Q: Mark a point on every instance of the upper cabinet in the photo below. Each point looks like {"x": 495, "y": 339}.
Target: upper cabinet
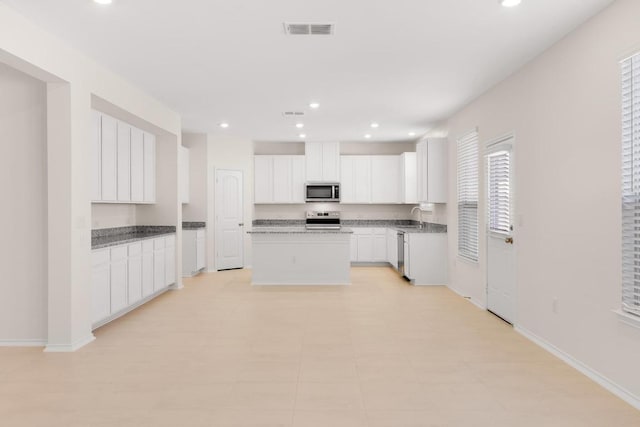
{"x": 432, "y": 170}
{"x": 322, "y": 161}
{"x": 370, "y": 179}
{"x": 279, "y": 179}
{"x": 409, "y": 178}
{"x": 184, "y": 158}
{"x": 123, "y": 162}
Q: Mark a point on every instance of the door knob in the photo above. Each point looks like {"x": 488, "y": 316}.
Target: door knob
{"x": 509, "y": 240}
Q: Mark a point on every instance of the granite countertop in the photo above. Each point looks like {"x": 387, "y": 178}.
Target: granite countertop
{"x": 107, "y": 237}
{"x": 295, "y": 230}
{"x": 193, "y": 225}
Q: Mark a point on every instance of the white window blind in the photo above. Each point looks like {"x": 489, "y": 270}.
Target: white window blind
{"x": 631, "y": 185}
{"x": 468, "y": 196}
{"x": 499, "y": 191}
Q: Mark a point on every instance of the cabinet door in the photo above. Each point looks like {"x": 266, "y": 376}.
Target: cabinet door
{"x": 149, "y": 167}
{"x": 313, "y": 161}
{"x": 147, "y": 273}
{"x": 96, "y": 156}
{"x": 354, "y": 248}
{"x": 124, "y": 162}
{"x": 100, "y": 293}
{"x": 379, "y": 245}
{"x": 422, "y": 165}
{"x": 118, "y": 285}
{"x": 362, "y": 179}
{"x": 263, "y": 179}
{"x": 282, "y": 179}
{"x": 347, "y": 187}
{"x": 331, "y": 161}
{"x": 409, "y": 177}
{"x": 184, "y": 158}
{"x": 170, "y": 260}
{"x": 298, "y": 178}
{"x": 137, "y": 165}
{"x": 109, "y": 172}
{"x": 385, "y": 179}
{"x": 365, "y": 248}
{"x": 437, "y": 170}
{"x": 200, "y": 250}
{"x": 158, "y": 269}
{"x": 135, "y": 279}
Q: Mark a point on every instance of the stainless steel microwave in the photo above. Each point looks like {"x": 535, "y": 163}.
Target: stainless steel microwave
{"x": 322, "y": 192}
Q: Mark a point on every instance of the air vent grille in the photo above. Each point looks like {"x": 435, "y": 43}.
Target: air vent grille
{"x": 293, "y": 113}
{"x": 307, "y": 29}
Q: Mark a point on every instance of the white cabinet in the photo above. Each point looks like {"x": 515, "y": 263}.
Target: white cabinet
{"x": 322, "y": 161}
{"x": 385, "y": 179}
{"x": 183, "y": 164}
{"x": 432, "y": 170}
{"x": 100, "y": 285}
{"x": 147, "y": 268}
{"x": 409, "y": 178}
{"x": 193, "y": 251}
{"x": 279, "y": 179}
{"x": 158, "y": 264}
{"x": 123, "y": 162}
{"x": 169, "y": 260}
{"x": 119, "y": 298}
{"x": 369, "y": 244}
{"x": 149, "y": 167}
{"x": 137, "y": 165}
{"x": 109, "y": 159}
{"x": 392, "y": 247}
{"x": 426, "y": 258}
{"x": 134, "y": 272}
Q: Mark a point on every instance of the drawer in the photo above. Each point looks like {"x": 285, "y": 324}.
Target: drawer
{"x": 119, "y": 253}
{"x": 362, "y": 230}
{"x": 378, "y": 231}
{"x": 200, "y": 234}
{"x": 158, "y": 243}
{"x": 170, "y": 241}
{"x": 100, "y": 256}
{"x": 135, "y": 249}
{"x": 147, "y": 246}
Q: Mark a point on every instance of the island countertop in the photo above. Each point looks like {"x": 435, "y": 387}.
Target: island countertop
{"x": 296, "y": 230}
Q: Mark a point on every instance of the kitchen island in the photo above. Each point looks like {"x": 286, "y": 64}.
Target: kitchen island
{"x": 297, "y": 256}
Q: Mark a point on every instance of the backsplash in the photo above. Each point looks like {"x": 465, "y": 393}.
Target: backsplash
{"x": 105, "y": 215}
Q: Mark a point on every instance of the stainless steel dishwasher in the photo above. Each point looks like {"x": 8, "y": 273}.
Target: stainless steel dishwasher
{"x": 400, "y": 236}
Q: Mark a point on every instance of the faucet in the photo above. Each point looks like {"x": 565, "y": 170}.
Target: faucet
{"x": 413, "y": 209}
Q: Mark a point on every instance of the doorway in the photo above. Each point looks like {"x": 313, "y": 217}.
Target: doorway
{"x": 501, "y": 253}
{"x": 229, "y": 220}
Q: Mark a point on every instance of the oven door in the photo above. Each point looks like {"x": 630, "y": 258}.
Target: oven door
{"x": 321, "y": 193}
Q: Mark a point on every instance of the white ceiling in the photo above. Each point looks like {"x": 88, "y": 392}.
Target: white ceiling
{"x": 403, "y": 63}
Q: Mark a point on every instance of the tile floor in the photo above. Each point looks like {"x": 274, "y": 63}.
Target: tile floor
{"x": 379, "y": 353}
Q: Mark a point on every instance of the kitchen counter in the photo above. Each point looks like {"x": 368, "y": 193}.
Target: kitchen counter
{"x": 193, "y": 225}
{"x": 296, "y": 230}
{"x": 107, "y": 237}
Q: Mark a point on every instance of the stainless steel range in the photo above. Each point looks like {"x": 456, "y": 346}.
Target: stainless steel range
{"x": 320, "y": 220}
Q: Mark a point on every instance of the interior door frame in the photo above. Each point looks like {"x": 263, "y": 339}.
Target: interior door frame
{"x": 215, "y": 213}
{"x": 491, "y": 146}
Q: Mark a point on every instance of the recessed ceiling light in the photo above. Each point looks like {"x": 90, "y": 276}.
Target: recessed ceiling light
{"x": 302, "y": 135}
{"x": 368, "y": 136}
{"x": 374, "y": 125}
{"x": 510, "y": 3}
{"x": 412, "y": 134}
{"x": 314, "y": 105}
{"x": 224, "y": 125}
{"x": 102, "y": 1}
{"x": 299, "y": 125}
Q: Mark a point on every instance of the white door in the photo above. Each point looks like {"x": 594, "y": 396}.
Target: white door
{"x": 501, "y": 257}
{"x": 229, "y": 224}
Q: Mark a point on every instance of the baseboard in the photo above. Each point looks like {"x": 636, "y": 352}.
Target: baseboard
{"x": 605, "y": 382}
{"x": 68, "y": 348}
{"x": 23, "y": 343}
{"x": 468, "y": 298}
{"x": 130, "y": 308}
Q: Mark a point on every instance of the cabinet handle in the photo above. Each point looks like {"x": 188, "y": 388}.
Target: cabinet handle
{"x": 241, "y": 224}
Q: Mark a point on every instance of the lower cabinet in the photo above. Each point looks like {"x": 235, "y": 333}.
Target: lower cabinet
{"x": 193, "y": 252}
{"x": 124, "y": 275}
{"x": 426, "y": 258}
{"x": 369, "y": 244}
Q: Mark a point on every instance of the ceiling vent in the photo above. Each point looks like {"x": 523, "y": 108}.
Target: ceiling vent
{"x": 293, "y": 113}
{"x": 301, "y": 29}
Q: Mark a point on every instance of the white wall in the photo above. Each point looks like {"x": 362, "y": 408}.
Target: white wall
{"x": 23, "y": 174}
{"x": 196, "y": 209}
{"x": 347, "y": 211}
{"x": 72, "y": 79}
{"x": 235, "y": 154}
{"x": 564, "y": 109}
{"x": 108, "y": 215}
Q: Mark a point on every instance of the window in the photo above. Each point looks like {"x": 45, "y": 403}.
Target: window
{"x": 631, "y": 185}
{"x": 468, "y": 196}
{"x": 499, "y": 191}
